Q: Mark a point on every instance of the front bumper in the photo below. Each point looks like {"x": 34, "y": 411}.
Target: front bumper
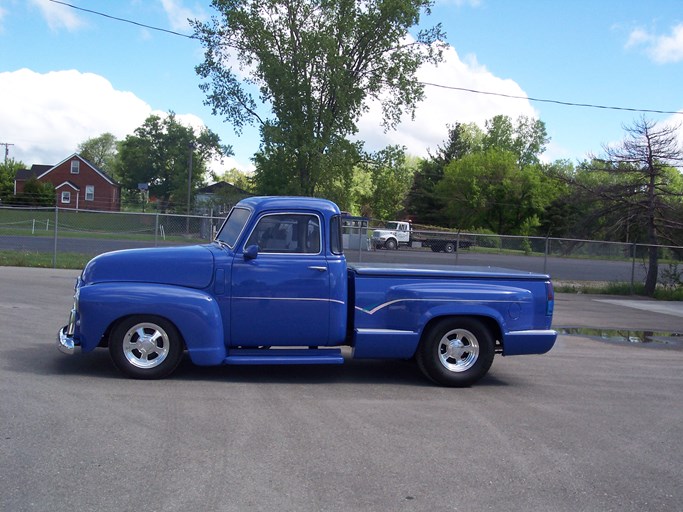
{"x": 66, "y": 342}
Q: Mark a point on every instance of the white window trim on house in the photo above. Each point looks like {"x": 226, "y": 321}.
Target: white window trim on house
{"x": 75, "y": 166}
{"x": 66, "y": 197}
{"x": 90, "y": 192}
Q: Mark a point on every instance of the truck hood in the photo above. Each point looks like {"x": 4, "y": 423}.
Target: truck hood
{"x": 190, "y": 266}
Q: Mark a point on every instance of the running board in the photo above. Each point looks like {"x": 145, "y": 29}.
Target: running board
{"x": 244, "y": 356}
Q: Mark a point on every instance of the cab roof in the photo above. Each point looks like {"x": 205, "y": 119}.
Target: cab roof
{"x": 284, "y": 203}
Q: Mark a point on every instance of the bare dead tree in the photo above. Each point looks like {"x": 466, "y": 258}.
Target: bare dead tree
{"x": 647, "y": 185}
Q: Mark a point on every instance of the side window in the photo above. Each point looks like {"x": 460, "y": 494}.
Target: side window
{"x": 75, "y": 166}
{"x": 287, "y": 233}
{"x": 336, "y": 246}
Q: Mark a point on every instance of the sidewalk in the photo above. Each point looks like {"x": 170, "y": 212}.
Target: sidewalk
{"x": 617, "y": 312}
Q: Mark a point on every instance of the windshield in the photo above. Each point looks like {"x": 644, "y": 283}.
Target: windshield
{"x": 392, "y": 225}
{"x": 233, "y": 226}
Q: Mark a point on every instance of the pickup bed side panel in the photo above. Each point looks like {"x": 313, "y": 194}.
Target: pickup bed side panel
{"x": 391, "y": 312}
{"x": 195, "y": 313}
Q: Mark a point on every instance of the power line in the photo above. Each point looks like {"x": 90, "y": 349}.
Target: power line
{"x": 557, "y": 102}
{"x": 123, "y": 20}
{"x": 450, "y": 87}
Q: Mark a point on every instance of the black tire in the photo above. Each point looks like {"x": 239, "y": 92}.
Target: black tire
{"x": 391, "y": 244}
{"x": 456, "y": 352}
{"x": 146, "y": 347}
{"x": 449, "y": 247}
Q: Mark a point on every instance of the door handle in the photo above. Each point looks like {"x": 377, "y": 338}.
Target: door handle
{"x": 319, "y": 269}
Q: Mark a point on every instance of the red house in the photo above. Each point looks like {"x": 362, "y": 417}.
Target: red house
{"x": 78, "y": 183}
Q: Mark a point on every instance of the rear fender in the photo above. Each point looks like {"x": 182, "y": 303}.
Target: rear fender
{"x": 195, "y": 313}
{"x": 489, "y": 314}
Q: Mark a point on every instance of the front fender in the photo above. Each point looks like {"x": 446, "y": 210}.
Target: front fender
{"x": 195, "y": 313}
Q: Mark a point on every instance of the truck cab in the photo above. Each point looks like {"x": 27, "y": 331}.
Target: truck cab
{"x": 394, "y": 235}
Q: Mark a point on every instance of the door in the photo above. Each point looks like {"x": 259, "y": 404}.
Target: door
{"x": 282, "y": 295}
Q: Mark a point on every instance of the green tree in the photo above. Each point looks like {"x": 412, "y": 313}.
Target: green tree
{"x": 159, "y": 154}
{"x": 36, "y": 193}
{"x": 316, "y": 64}
{"x": 526, "y": 138}
{"x": 424, "y": 205}
{"x": 490, "y": 190}
{"x": 101, "y": 151}
{"x": 390, "y": 175}
{"x": 8, "y": 171}
{"x": 237, "y": 178}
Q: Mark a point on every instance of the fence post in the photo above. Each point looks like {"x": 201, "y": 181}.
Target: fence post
{"x": 545, "y": 256}
{"x": 457, "y": 247}
{"x": 156, "y": 229}
{"x": 54, "y": 253}
{"x": 633, "y": 269}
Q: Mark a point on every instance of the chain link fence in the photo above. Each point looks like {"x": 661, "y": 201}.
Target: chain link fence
{"x": 69, "y": 238}
{"x": 570, "y": 261}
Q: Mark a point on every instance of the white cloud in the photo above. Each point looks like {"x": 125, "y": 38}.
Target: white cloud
{"x": 442, "y": 106}
{"x": 52, "y": 113}
{"x": 178, "y": 14}
{"x": 662, "y": 49}
{"x": 58, "y": 16}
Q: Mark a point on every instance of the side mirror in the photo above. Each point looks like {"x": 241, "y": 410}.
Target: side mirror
{"x": 250, "y": 252}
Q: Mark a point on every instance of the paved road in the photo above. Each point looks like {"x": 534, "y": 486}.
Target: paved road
{"x": 589, "y": 426}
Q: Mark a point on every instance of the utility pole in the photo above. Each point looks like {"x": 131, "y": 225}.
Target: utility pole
{"x": 189, "y": 185}
{"x": 7, "y": 145}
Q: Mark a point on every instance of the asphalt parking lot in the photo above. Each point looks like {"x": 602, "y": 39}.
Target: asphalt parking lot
{"x": 590, "y": 426}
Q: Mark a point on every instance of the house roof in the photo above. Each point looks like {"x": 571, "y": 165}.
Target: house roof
{"x": 35, "y": 171}
{"x": 70, "y": 157}
{"x": 39, "y": 170}
{"x": 221, "y": 186}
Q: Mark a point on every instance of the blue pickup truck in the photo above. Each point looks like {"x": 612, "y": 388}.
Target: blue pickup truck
{"x": 274, "y": 288}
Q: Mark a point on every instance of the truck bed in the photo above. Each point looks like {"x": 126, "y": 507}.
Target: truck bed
{"x": 442, "y": 271}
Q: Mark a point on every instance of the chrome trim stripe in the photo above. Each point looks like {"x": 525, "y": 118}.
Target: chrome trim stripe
{"x": 470, "y": 301}
{"x": 309, "y": 299}
{"x": 383, "y": 331}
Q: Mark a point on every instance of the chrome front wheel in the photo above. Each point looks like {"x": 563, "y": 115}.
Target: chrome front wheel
{"x": 146, "y": 347}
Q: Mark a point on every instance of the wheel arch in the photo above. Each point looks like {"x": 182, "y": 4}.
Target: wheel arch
{"x": 104, "y": 342}
{"x": 490, "y": 322}
{"x": 194, "y": 313}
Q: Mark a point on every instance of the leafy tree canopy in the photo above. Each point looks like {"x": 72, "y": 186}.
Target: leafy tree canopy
{"x": 8, "y": 171}
{"x": 101, "y": 151}
{"x": 159, "y": 154}
{"x": 490, "y": 190}
{"x": 509, "y": 154}
{"x": 316, "y": 64}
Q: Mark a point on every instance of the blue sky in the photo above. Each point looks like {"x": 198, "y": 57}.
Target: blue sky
{"x": 67, "y": 75}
